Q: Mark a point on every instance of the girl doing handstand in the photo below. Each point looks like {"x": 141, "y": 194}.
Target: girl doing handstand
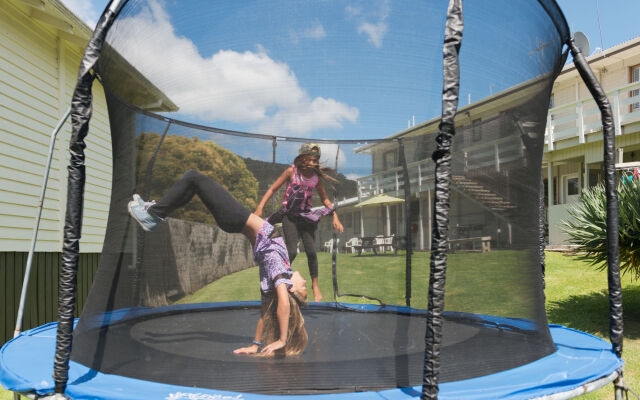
{"x": 281, "y": 325}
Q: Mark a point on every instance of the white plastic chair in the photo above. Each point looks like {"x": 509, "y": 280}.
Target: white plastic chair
{"x": 379, "y": 243}
{"x": 388, "y": 243}
{"x": 328, "y": 245}
{"x": 352, "y": 243}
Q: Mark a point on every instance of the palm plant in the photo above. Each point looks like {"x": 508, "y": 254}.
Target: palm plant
{"x": 588, "y": 227}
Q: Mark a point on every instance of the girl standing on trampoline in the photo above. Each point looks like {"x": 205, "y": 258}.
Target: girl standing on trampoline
{"x": 281, "y": 324}
{"x": 298, "y": 220}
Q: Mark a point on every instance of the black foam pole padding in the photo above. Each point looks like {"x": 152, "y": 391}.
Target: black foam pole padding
{"x": 407, "y": 222}
{"x": 613, "y": 256}
{"x": 81, "y": 109}
{"x": 541, "y": 224}
{"x": 274, "y": 145}
{"x": 440, "y": 234}
{"x": 334, "y": 237}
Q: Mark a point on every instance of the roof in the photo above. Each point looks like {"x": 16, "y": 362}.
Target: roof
{"x": 75, "y": 31}
{"x": 604, "y": 58}
{"x": 489, "y": 105}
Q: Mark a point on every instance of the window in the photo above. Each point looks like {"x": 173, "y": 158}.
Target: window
{"x": 389, "y": 159}
{"x": 348, "y": 221}
{"x": 595, "y": 176}
{"x": 356, "y": 223}
{"x": 477, "y": 130}
{"x": 552, "y": 103}
{"x": 635, "y": 77}
{"x": 573, "y": 186}
{"x": 570, "y": 188}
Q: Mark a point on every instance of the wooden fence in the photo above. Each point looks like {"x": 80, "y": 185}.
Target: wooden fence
{"x": 42, "y": 297}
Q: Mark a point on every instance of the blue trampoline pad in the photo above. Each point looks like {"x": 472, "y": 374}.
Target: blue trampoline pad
{"x": 26, "y": 365}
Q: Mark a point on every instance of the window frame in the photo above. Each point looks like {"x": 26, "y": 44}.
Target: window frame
{"x": 634, "y": 107}
{"x": 393, "y": 154}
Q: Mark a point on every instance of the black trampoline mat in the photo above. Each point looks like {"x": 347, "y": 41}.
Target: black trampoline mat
{"x": 347, "y": 351}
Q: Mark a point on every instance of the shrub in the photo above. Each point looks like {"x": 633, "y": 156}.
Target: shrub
{"x": 588, "y": 227}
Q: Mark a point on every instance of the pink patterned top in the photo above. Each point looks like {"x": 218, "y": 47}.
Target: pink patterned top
{"x": 299, "y": 193}
{"x": 297, "y": 199}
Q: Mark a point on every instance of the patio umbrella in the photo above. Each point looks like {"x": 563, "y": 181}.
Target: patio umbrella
{"x": 380, "y": 200}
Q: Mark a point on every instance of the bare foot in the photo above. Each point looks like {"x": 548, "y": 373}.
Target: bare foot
{"x": 317, "y": 296}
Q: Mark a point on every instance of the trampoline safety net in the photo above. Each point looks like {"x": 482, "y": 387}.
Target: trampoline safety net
{"x": 232, "y": 90}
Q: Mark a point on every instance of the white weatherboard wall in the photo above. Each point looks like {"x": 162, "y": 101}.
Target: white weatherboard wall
{"x": 38, "y": 72}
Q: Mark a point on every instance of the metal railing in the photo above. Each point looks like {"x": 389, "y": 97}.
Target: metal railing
{"x": 392, "y": 180}
{"x": 582, "y": 117}
{"x": 421, "y": 173}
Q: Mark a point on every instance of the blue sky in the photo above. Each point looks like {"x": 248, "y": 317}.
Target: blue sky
{"x": 618, "y": 18}
{"x": 345, "y": 69}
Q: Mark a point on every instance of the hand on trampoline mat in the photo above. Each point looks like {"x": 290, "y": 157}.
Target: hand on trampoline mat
{"x": 278, "y": 344}
{"x": 253, "y": 349}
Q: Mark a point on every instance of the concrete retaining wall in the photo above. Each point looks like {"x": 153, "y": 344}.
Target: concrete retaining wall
{"x": 205, "y": 253}
{"x": 181, "y": 257}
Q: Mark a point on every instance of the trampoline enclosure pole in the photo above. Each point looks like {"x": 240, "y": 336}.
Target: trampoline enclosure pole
{"x": 334, "y": 237}
{"x": 407, "y": 222}
{"x": 439, "y": 237}
{"x": 34, "y": 238}
{"x": 81, "y": 110}
{"x": 613, "y": 257}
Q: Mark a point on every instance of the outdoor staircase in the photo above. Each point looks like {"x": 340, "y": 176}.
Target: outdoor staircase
{"x": 481, "y": 194}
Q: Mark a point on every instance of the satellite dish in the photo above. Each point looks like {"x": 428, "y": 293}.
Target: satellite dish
{"x": 582, "y": 43}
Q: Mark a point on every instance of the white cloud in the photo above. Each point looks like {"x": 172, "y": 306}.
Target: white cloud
{"x": 242, "y": 87}
{"x": 375, "y": 32}
{"x": 352, "y": 11}
{"x": 352, "y": 176}
{"x": 328, "y": 158}
{"x": 308, "y": 115}
{"x": 373, "y": 23}
{"x": 315, "y": 32}
{"x": 85, "y": 10}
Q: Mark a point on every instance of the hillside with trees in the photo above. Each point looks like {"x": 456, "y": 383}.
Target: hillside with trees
{"x": 246, "y": 179}
{"x": 178, "y": 154}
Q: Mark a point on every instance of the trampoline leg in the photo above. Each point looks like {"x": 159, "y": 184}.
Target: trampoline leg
{"x": 16, "y": 396}
{"x": 619, "y": 395}
{"x": 619, "y": 387}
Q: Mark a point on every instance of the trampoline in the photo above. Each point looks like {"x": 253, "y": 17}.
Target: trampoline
{"x": 167, "y": 307}
{"x": 189, "y": 348}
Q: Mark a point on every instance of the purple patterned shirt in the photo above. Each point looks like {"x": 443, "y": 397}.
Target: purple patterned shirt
{"x": 272, "y": 258}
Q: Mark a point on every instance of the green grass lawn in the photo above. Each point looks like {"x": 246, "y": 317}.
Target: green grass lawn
{"x": 383, "y": 277}
{"x": 576, "y": 293}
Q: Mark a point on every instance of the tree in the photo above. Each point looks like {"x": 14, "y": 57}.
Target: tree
{"x": 179, "y": 154}
{"x": 588, "y": 228}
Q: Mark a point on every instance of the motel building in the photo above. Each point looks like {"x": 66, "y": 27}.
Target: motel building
{"x": 572, "y": 158}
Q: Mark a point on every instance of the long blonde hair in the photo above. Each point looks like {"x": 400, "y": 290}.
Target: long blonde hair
{"x": 297, "y": 337}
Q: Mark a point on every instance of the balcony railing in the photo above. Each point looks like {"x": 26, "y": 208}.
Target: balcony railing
{"x": 567, "y": 121}
{"x": 582, "y": 117}
{"x": 392, "y": 180}
{"x": 491, "y": 154}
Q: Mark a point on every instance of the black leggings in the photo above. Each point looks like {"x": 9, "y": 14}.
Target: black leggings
{"x": 295, "y": 227}
{"x": 230, "y": 215}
